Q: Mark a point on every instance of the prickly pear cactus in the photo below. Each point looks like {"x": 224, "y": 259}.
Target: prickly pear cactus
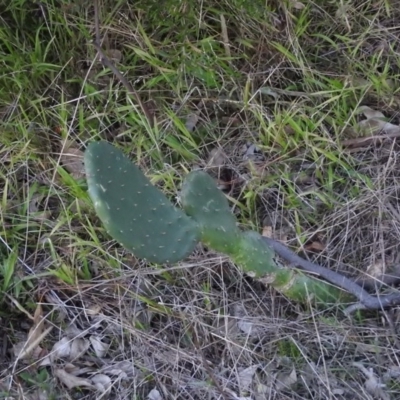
{"x": 143, "y": 220}
{"x": 208, "y": 206}
{"x": 133, "y": 211}
{"x": 258, "y": 258}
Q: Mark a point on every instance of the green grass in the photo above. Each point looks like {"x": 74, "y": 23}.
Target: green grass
{"x": 285, "y": 76}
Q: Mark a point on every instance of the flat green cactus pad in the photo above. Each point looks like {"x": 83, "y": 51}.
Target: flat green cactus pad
{"x": 257, "y": 258}
{"x": 208, "y": 206}
{"x": 133, "y": 211}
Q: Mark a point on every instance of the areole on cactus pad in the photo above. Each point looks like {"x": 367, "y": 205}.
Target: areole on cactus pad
{"x": 145, "y": 222}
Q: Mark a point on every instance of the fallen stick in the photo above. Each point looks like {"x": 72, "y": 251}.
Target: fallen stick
{"x": 365, "y": 300}
{"x": 109, "y": 64}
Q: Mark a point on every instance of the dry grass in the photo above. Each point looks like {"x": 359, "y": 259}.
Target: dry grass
{"x": 273, "y": 91}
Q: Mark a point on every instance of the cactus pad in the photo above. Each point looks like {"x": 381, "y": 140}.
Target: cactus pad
{"x": 133, "y": 211}
{"x": 257, "y": 258}
{"x": 208, "y": 206}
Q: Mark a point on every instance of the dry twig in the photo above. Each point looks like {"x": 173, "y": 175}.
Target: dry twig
{"x": 366, "y": 141}
{"x": 366, "y": 301}
{"x": 109, "y": 64}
